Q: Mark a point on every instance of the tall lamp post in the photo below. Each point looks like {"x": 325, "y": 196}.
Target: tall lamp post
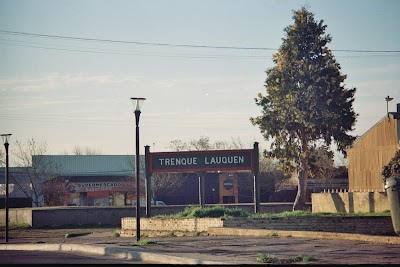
{"x": 6, "y": 138}
{"x": 137, "y": 104}
{"x": 388, "y": 98}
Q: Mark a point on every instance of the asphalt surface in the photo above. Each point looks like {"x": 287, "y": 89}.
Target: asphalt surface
{"x": 100, "y": 245}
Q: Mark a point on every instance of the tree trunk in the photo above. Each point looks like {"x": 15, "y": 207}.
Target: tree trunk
{"x": 300, "y": 201}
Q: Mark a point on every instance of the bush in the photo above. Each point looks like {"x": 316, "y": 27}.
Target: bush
{"x": 210, "y": 212}
{"x": 392, "y": 168}
{"x": 267, "y": 258}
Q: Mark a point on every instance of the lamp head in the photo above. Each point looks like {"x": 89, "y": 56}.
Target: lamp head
{"x": 6, "y": 138}
{"x": 388, "y": 98}
{"x": 137, "y": 103}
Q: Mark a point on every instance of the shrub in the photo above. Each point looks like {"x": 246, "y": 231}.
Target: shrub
{"x": 210, "y": 212}
{"x": 300, "y": 258}
{"x": 267, "y": 258}
{"x": 392, "y": 168}
{"x": 116, "y": 233}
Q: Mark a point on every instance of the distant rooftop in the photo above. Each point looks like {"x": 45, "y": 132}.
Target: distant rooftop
{"x": 89, "y": 165}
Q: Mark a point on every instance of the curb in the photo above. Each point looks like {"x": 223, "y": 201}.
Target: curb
{"x": 116, "y": 252}
{"x": 219, "y": 231}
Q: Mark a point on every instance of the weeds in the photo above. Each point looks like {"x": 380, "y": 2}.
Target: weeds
{"x": 208, "y": 212}
{"x": 274, "y": 234}
{"x": 267, "y": 258}
{"x": 116, "y": 233}
{"x": 301, "y": 258}
{"x": 144, "y": 242}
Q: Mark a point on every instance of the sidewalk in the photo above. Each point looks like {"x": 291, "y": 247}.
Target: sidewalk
{"x": 222, "y": 246}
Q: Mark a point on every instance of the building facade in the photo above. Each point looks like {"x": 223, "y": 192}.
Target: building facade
{"x": 90, "y": 180}
{"x": 372, "y": 151}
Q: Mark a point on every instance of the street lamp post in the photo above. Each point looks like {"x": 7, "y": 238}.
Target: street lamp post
{"x": 6, "y": 138}
{"x": 388, "y": 98}
{"x": 137, "y": 104}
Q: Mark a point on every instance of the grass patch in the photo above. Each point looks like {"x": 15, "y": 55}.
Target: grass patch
{"x": 208, "y": 212}
{"x": 116, "y": 233}
{"x": 301, "y": 258}
{"x": 267, "y": 258}
{"x": 144, "y": 242}
{"x": 223, "y": 212}
{"x": 13, "y": 225}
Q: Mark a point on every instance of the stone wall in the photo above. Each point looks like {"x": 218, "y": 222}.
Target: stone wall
{"x": 350, "y": 202}
{"x": 163, "y": 224}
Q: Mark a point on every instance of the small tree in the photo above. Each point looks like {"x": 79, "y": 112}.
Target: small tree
{"x": 85, "y": 151}
{"x": 306, "y": 100}
{"x": 37, "y": 170}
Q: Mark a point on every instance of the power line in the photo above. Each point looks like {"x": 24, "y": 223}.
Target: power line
{"x": 174, "y": 45}
{"x": 130, "y": 42}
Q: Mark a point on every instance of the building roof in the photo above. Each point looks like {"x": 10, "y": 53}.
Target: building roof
{"x": 90, "y": 165}
{"x": 15, "y": 174}
{"x": 393, "y": 115}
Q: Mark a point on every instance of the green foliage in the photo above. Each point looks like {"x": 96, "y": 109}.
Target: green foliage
{"x": 209, "y": 212}
{"x": 266, "y": 258}
{"x": 219, "y": 211}
{"x": 300, "y": 258}
{"x": 392, "y": 168}
{"x": 306, "y": 100}
{"x": 296, "y": 213}
{"x": 116, "y": 233}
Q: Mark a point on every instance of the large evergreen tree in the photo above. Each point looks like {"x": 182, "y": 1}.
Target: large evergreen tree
{"x": 306, "y": 99}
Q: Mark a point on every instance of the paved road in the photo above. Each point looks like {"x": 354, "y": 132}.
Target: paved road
{"x": 223, "y": 249}
{"x": 55, "y": 257}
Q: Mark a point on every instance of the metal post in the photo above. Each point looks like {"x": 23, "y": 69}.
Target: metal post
{"x": 201, "y": 189}
{"x": 256, "y": 182}
{"x": 6, "y": 200}
{"x": 148, "y": 181}
{"x": 137, "y": 116}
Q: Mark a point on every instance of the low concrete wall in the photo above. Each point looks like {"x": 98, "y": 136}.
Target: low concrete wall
{"x": 20, "y": 215}
{"x": 59, "y": 216}
{"x": 373, "y": 225}
{"x": 162, "y": 224}
{"x": 350, "y": 202}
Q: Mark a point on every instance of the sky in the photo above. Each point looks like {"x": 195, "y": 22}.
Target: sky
{"x": 71, "y": 92}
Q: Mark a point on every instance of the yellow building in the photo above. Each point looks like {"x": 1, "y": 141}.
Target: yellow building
{"x": 372, "y": 151}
